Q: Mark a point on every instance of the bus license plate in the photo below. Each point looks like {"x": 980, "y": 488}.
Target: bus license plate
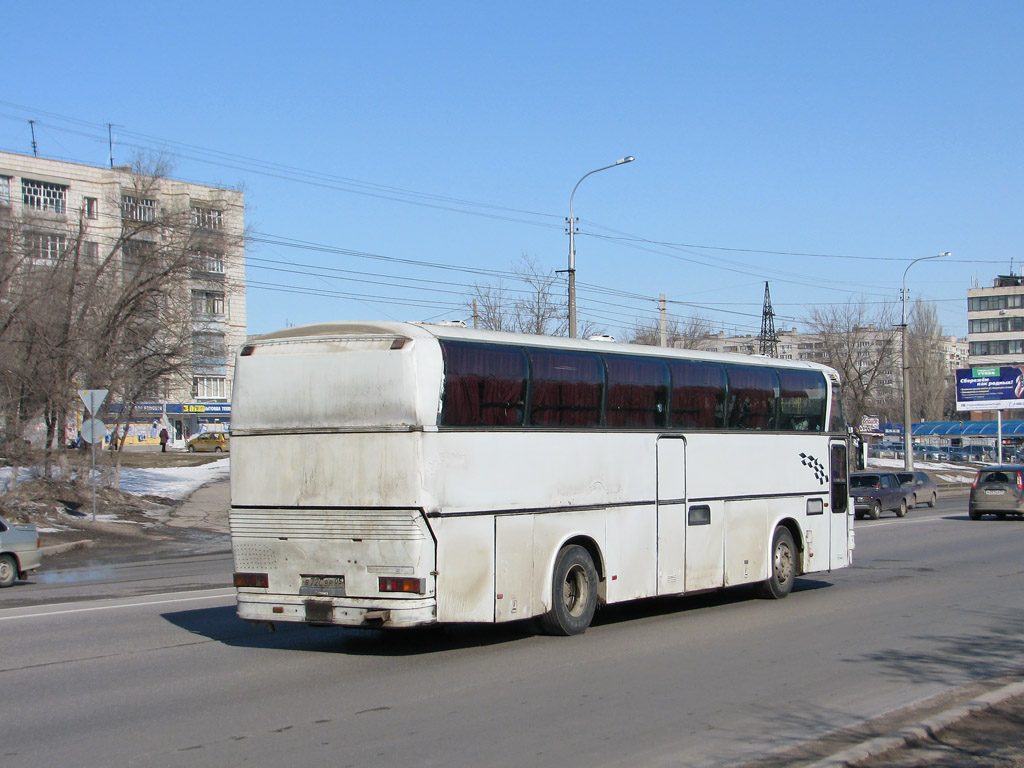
{"x": 322, "y": 586}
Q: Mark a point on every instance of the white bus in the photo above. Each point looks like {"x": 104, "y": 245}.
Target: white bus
{"x": 402, "y": 474}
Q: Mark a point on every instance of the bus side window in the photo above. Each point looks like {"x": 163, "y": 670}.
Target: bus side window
{"x": 484, "y": 385}
{"x": 565, "y": 388}
{"x": 752, "y": 397}
{"x": 637, "y": 392}
{"x": 698, "y": 394}
{"x": 802, "y": 400}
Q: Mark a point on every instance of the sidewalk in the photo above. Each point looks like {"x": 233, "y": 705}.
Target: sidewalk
{"x": 985, "y": 732}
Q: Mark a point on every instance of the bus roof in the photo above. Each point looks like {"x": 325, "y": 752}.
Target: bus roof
{"x": 420, "y": 330}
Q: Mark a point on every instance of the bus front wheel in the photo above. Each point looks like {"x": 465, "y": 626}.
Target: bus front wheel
{"x": 783, "y": 566}
{"x": 573, "y": 593}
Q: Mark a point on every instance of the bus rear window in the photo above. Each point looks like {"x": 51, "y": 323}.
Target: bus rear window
{"x": 484, "y": 385}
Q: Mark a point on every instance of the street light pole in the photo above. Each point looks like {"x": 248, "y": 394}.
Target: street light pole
{"x": 908, "y": 438}
{"x": 571, "y": 221}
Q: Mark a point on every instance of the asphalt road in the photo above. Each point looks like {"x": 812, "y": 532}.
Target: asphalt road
{"x": 168, "y": 676}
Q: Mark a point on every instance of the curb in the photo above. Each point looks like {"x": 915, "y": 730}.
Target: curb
{"x": 917, "y": 733}
{"x": 56, "y": 549}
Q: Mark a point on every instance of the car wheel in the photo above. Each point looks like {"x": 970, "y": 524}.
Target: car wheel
{"x": 876, "y": 510}
{"x": 8, "y": 570}
{"x": 974, "y": 514}
{"x": 913, "y": 502}
{"x": 218, "y": 449}
{"x": 901, "y": 510}
{"x": 191, "y": 449}
{"x": 783, "y": 566}
{"x": 573, "y": 593}
{"x": 934, "y": 499}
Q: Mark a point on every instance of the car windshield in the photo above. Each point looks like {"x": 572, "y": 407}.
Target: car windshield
{"x": 865, "y": 481}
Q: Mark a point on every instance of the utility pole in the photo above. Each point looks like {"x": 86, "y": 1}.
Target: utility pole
{"x": 32, "y": 127}
{"x": 663, "y": 320}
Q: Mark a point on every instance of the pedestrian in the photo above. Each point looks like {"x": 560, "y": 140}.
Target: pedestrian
{"x": 164, "y": 437}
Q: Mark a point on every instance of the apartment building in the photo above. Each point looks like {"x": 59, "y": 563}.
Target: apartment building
{"x": 995, "y": 328}
{"x": 58, "y": 202}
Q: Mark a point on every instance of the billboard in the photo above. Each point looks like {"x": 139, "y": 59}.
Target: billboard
{"x": 991, "y": 388}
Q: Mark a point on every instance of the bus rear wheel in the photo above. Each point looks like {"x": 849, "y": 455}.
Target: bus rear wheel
{"x": 783, "y": 566}
{"x": 573, "y": 593}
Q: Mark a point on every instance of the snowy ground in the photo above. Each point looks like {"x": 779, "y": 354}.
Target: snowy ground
{"x": 174, "y": 483}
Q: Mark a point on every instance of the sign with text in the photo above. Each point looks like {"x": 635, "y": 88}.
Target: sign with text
{"x": 992, "y": 388}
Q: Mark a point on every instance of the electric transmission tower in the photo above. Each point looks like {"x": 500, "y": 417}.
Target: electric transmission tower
{"x": 769, "y": 341}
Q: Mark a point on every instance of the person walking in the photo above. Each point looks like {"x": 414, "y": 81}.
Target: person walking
{"x": 164, "y": 437}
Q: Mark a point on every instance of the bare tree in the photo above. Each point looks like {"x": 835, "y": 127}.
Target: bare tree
{"x": 532, "y": 309}
{"x": 929, "y": 378}
{"x": 694, "y": 333}
{"x": 863, "y": 345}
{"x": 490, "y": 307}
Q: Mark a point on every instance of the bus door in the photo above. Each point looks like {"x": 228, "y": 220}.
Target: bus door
{"x": 839, "y": 506}
{"x": 671, "y": 514}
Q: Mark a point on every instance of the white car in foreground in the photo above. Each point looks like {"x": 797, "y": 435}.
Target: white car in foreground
{"x": 19, "y": 551}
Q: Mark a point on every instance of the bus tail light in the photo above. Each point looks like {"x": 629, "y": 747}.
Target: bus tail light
{"x": 395, "y": 584}
{"x": 251, "y": 580}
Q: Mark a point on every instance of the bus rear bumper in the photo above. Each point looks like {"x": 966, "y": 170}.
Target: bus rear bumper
{"x": 337, "y": 612}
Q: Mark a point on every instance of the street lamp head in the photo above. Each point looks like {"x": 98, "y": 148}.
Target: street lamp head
{"x": 947, "y": 253}
{"x": 629, "y": 159}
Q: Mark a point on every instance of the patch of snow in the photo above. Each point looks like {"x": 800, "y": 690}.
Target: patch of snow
{"x": 173, "y": 483}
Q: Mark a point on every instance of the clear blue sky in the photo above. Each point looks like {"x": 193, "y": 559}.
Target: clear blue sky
{"x": 864, "y": 133}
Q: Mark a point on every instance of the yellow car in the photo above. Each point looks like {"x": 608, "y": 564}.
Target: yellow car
{"x": 209, "y": 441}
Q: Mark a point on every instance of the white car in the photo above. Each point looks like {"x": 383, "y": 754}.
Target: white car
{"x": 19, "y": 551}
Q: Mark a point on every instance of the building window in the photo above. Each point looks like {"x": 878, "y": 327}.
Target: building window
{"x": 46, "y": 248}
{"x": 1010, "y": 347}
{"x": 92, "y": 207}
{"x": 138, "y": 208}
{"x": 210, "y": 388}
{"x": 206, "y": 261}
{"x": 207, "y": 218}
{"x": 5, "y": 190}
{"x": 43, "y": 196}
{"x": 208, "y": 302}
{"x": 90, "y": 252}
{"x": 986, "y": 303}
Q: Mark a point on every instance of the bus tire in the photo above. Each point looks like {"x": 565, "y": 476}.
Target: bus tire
{"x": 782, "y": 564}
{"x": 573, "y": 593}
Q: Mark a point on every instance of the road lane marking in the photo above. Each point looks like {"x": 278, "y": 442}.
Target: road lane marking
{"x": 64, "y": 611}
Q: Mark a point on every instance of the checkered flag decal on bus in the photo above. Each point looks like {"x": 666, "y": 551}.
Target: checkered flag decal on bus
{"x": 816, "y": 466}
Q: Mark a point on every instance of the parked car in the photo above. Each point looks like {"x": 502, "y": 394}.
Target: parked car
{"x": 997, "y": 490}
{"x": 922, "y": 488}
{"x": 875, "y": 492}
{"x": 19, "y": 551}
{"x": 209, "y": 441}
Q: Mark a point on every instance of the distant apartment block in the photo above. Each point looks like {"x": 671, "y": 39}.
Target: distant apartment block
{"x": 68, "y": 198}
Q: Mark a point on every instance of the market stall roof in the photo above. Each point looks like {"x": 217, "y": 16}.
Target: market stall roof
{"x": 968, "y": 428}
